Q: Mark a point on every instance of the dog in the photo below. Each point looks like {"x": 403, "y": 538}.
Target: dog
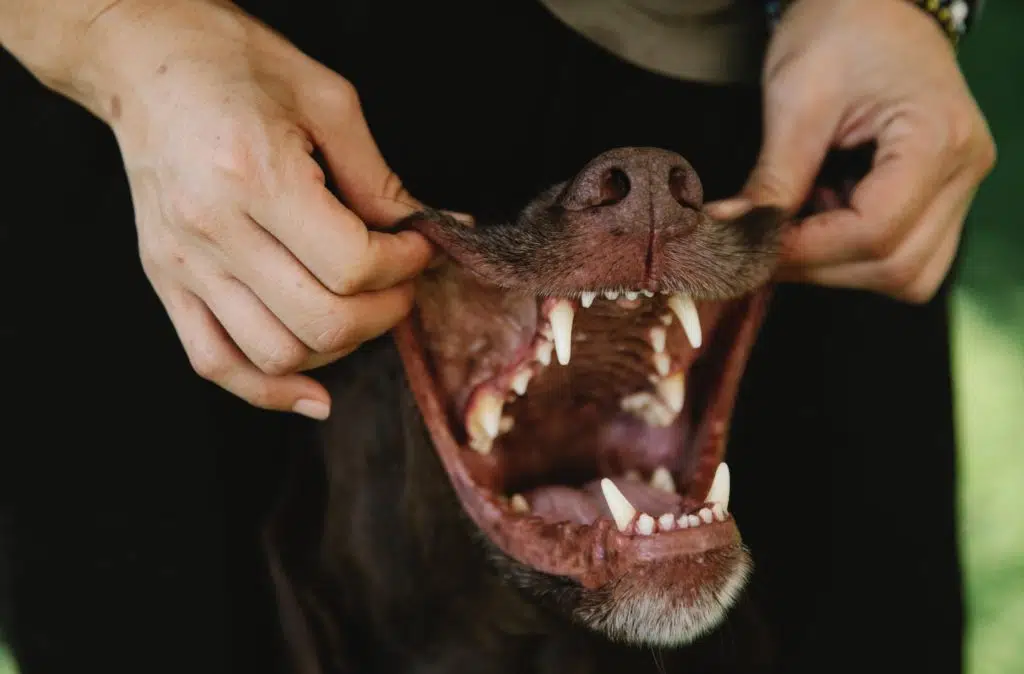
{"x": 528, "y": 474}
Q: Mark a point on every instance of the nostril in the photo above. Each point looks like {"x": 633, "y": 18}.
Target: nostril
{"x": 685, "y": 186}
{"x": 614, "y": 187}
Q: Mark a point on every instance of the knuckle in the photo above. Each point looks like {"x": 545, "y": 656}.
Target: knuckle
{"x": 207, "y": 363}
{"x": 234, "y": 157}
{"x": 342, "y": 97}
{"x": 261, "y": 394}
{"x": 282, "y": 359}
{"x": 335, "y": 336}
{"x": 896, "y": 277}
{"x": 880, "y": 243}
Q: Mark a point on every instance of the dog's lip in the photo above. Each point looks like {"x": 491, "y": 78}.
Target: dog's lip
{"x": 589, "y": 554}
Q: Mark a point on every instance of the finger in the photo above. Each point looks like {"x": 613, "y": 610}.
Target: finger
{"x": 329, "y": 240}
{"x": 800, "y": 123}
{"x": 335, "y": 120}
{"x": 323, "y": 321}
{"x": 215, "y": 358}
{"x": 883, "y": 207}
{"x": 261, "y": 336}
{"x": 899, "y": 274}
{"x": 934, "y": 274}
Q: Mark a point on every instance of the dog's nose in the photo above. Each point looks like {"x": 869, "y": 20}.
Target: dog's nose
{"x": 647, "y": 186}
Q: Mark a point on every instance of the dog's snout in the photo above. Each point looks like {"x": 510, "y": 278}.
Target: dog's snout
{"x": 635, "y": 178}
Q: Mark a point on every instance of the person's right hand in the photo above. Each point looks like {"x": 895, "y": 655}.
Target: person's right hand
{"x": 262, "y": 271}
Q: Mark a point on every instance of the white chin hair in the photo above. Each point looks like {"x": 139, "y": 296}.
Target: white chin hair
{"x": 643, "y": 614}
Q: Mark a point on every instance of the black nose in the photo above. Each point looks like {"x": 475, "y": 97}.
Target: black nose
{"x": 635, "y": 179}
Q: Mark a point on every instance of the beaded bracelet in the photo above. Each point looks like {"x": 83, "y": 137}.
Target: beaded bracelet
{"x": 954, "y": 16}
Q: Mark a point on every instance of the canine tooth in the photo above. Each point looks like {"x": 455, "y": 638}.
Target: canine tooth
{"x": 543, "y": 352}
{"x": 658, "y": 336}
{"x": 672, "y": 391}
{"x": 521, "y": 380}
{"x": 667, "y": 522}
{"x": 662, "y": 479}
{"x": 485, "y": 417}
{"x": 622, "y": 510}
{"x": 718, "y": 511}
{"x": 611, "y": 294}
{"x": 519, "y": 504}
{"x": 682, "y": 306}
{"x": 706, "y": 515}
{"x": 683, "y": 522}
{"x": 645, "y": 524}
{"x": 631, "y": 294}
{"x": 587, "y": 298}
{"x": 719, "y": 491}
{"x": 561, "y": 325}
{"x": 662, "y": 363}
{"x": 647, "y": 293}
{"x": 693, "y": 520}
{"x": 506, "y": 424}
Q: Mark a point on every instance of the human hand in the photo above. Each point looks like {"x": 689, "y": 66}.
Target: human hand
{"x": 843, "y": 72}
{"x": 261, "y": 270}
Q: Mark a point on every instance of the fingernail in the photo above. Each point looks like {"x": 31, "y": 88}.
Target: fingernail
{"x": 728, "y": 209}
{"x": 464, "y": 218}
{"x": 314, "y": 409}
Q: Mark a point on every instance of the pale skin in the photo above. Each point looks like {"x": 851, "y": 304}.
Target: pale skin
{"x": 265, "y": 275}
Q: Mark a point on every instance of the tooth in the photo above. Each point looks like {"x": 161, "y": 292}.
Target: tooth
{"x": 561, "y": 325}
{"x": 519, "y": 504}
{"x": 506, "y": 424}
{"x": 666, "y": 319}
{"x": 521, "y": 380}
{"x": 671, "y": 389}
{"x": 659, "y": 336}
{"x": 706, "y": 515}
{"x": 647, "y": 293}
{"x": 662, "y": 479}
{"x": 719, "y": 491}
{"x": 645, "y": 525}
{"x": 622, "y": 510}
{"x": 587, "y": 298}
{"x": 682, "y": 306}
{"x": 683, "y": 522}
{"x": 666, "y": 522}
{"x": 481, "y": 444}
{"x": 543, "y": 352}
{"x": 693, "y": 520}
{"x": 718, "y": 511}
{"x": 631, "y": 294}
{"x": 485, "y": 417}
{"x": 646, "y": 406}
{"x": 611, "y": 294}
{"x": 662, "y": 363}
{"x": 632, "y": 475}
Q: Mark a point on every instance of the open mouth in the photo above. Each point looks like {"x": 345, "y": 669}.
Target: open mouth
{"x": 580, "y": 400}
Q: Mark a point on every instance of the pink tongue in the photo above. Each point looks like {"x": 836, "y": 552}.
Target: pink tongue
{"x": 584, "y": 505}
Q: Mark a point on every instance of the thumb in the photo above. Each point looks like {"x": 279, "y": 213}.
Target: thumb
{"x": 799, "y": 128}
{"x": 367, "y": 184}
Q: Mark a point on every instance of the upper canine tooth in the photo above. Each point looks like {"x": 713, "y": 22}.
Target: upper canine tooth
{"x": 587, "y": 298}
{"x": 485, "y": 415}
{"x": 521, "y": 380}
{"x": 672, "y": 391}
{"x": 682, "y": 306}
{"x": 719, "y": 491}
{"x": 611, "y": 294}
{"x": 561, "y": 325}
{"x": 622, "y": 510}
{"x": 662, "y": 479}
{"x": 659, "y": 336}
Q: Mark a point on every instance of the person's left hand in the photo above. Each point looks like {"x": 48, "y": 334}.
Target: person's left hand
{"x": 843, "y": 72}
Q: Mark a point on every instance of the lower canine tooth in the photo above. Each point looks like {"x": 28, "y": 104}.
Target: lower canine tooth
{"x": 561, "y": 325}
{"x": 672, "y": 391}
{"x": 662, "y": 479}
{"x": 645, "y": 525}
{"x": 519, "y": 504}
{"x": 719, "y": 491}
{"x": 622, "y": 510}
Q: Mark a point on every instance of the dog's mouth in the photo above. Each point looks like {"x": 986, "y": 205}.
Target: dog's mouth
{"x": 584, "y": 426}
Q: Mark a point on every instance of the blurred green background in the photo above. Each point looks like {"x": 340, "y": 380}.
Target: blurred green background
{"x": 988, "y": 343}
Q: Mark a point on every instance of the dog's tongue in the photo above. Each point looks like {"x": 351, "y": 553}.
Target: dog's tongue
{"x": 584, "y": 505}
